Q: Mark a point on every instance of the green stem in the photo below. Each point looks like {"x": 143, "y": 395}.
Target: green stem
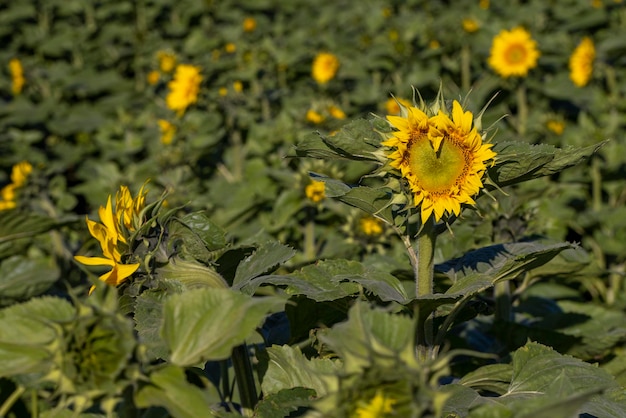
{"x": 465, "y": 68}
{"x": 225, "y": 380}
{"x": 522, "y": 110}
{"x": 309, "y": 236}
{"x": 245, "y": 379}
{"x": 8, "y": 403}
{"x": 502, "y": 293}
{"x": 424, "y": 286}
{"x": 596, "y": 185}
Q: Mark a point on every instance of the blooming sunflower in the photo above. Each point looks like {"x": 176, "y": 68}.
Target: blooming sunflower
{"x": 513, "y": 53}
{"x": 110, "y": 234}
{"x": 441, "y": 158}
{"x": 581, "y": 62}
{"x": 325, "y": 66}
{"x": 184, "y": 88}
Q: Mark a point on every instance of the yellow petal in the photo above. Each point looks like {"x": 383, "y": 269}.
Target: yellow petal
{"x": 94, "y": 261}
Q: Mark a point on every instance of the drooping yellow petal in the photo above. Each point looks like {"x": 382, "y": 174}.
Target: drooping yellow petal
{"x": 94, "y": 261}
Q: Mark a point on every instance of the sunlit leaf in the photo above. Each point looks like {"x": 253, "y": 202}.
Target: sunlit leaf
{"x": 289, "y": 368}
{"x": 193, "y": 323}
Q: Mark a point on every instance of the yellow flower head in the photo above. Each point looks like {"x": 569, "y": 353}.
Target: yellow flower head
{"x": 442, "y": 158}
{"x": 238, "y": 86}
{"x": 314, "y": 117}
{"x": 581, "y": 62}
{"x": 230, "y": 47}
{"x": 483, "y": 4}
{"x": 392, "y": 105}
{"x": 249, "y": 24}
{"x": 315, "y": 191}
{"x": 168, "y": 130}
{"x": 325, "y": 66}
{"x": 470, "y": 25}
{"x": 513, "y": 53}
{"x": 555, "y": 126}
{"x": 17, "y": 75}
{"x": 167, "y": 61}
{"x": 336, "y": 112}
{"x": 184, "y": 88}
{"x": 20, "y": 173}
{"x": 378, "y": 407}
{"x": 153, "y": 77}
{"x": 371, "y": 226}
{"x": 110, "y": 234}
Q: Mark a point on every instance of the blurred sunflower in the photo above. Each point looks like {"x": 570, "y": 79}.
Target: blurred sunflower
{"x": 581, "y": 62}
{"x": 315, "y": 191}
{"x": 184, "y": 88}
{"x": 379, "y": 406}
{"x": 110, "y": 233}
{"x": 168, "y": 130}
{"x": 19, "y": 174}
{"x": 17, "y": 76}
{"x": 325, "y": 66}
{"x": 167, "y": 61}
{"x": 442, "y": 158}
{"x": 392, "y": 105}
{"x": 249, "y": 24}
{"x": 513, "y": 53}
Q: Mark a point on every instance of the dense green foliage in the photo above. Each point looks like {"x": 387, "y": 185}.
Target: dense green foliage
{"x": 253, "y": 296}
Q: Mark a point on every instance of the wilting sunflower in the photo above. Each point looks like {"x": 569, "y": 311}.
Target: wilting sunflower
{"x": 442, "y": 158}
{"x": 581, "y": 62}
{"x": 110, "y": 234}
{"x": 513, "y": 53}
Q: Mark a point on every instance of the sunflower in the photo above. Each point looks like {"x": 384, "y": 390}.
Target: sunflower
{"x": 184, "y": 88}
{"x": 324, "y": 67}
{"x": 17, "y": 76}
{"x": 441, "y": 158}
{"x": 513, "y": 53}
{"x": 581, "y": 62}
{"x": 110, "y": 231}
{"x": 379, "y": 406}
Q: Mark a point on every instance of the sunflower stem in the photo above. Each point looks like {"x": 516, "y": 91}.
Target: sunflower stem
{"x": 8, "y": 403}
{"x": 465, "y": 68}
{"x": 522, "y": 110}
{"x": 424, "y": 286}
{"x": 245, "y": 379}
{"x": 309, "y": 237}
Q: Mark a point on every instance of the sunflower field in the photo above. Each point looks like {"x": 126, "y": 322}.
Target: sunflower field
{"x": 268, "y": 208}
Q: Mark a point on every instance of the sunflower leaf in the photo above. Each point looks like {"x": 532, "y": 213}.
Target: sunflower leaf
{"x": 193, "y": 323}
{"x": 266, "y": 257}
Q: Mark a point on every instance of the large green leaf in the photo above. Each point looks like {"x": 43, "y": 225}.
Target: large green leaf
{"x": 168, "y": 387}
{"x": 373, "y": 201}
{"x": 197, "y": 236}
{"x": 321, "y": 281}
{"x": 18, "y": 228}
{"x": 355, "y": 141}
{"x": 22, "y": 278}
{"x": 194, "y": 323}
{"x": 266, "y": 257}
{"x": 518, "y": 161}
{"x": 372, "y": 335}
{"x": 492, "y": 377}
{"x": 288, "y": 369}
{"x": 191, "y": 274}
{"x": 478, "y": 270}
{"x": 281, "y": 404}
{"x": 28, "y": 332}
{"x": 149, "y": 320}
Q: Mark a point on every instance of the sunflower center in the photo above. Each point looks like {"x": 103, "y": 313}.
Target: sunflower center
{"x": 437, "y": 172}
{"x": 515, "y": 54}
